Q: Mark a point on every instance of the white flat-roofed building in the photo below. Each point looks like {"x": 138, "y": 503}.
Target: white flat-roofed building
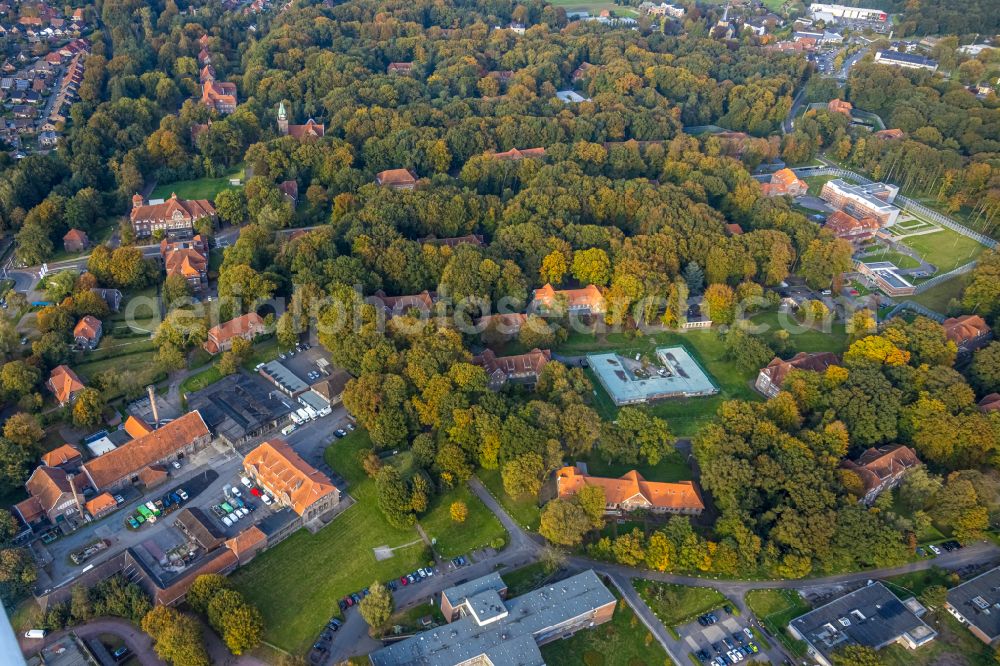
{"x": 843, "y": 12}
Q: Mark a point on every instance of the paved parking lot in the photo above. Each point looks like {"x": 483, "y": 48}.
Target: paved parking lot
{"x": 712, "y": 638}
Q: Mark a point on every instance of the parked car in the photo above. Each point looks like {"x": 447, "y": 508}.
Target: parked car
{"x": 133, "y": 523}
{"x": 246, "y": 482}
{"x": 119, "y": 499}
{"x": 746, "y": 630}
{"x": 227, "y": 521}
{"x": 184, "y": 495}
{"x": 120, "y": 653}
{"x": 343, "y": 605}
{"x": 412, "y": 578}
{"x": 236, "y": 491}
{"x": 176, "y": 464}
{"x": 340, "y": 432}
{"x": 404, "y": 580}
{"x": 934, "y": 549}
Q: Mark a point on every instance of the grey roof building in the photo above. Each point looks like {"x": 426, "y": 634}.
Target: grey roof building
{"x": 240, "y": 407}
{"x": 976, "y": 604}
{"x": 492, "y": 630}
{"x": 872, "y": 616}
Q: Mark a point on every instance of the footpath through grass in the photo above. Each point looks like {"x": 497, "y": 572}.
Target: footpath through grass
{"x": 775, "y": 609}
{"x": 297, "y": 583}
{"x": 624, "y": 641}
{"x": 524, "y": 510}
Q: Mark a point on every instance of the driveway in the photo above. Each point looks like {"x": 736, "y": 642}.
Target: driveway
{"x": 139, "y": 643}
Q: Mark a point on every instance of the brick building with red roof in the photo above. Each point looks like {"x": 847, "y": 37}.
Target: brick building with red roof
{"x": 632, "y": 491}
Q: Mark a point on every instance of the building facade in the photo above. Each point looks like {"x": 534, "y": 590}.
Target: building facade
{"x": 632, "y": 492}
{"x": 176, "y": 217}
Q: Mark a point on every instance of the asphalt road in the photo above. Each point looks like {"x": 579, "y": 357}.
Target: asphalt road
{"x": 139, "y": 643}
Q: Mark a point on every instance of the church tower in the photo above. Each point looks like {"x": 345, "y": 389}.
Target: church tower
{"x": 282, "y": 119}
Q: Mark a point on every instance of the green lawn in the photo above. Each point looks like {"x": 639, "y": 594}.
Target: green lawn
{"x": 816, "y": 183}
{"x": 200, "y": 380}
{"x": 678, "y": 604}
{"x": 453, "y": 539}
{"x": 524, "y": 510}
{"x": 624, "y": 641}
{"x": 200, "y": 188}
{"x": 594, "y": 6}
{"x": 672, "y": 468}
{"x": 802, "y": 338}
{"x": 898, "y": 258}
{"x": 128, "y": 363}
{"x": 685, "y": 415}
{"x": 937, "y": 298}
{"x": 297, "y": 583}
{"x": 954, "y": 644}
{"x": 775, "y": 609}
{"x": 946, "y": 249}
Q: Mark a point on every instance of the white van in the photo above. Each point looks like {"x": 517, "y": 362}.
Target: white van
{"x": 35, "y": 633}
{"x": 289, "y": 429}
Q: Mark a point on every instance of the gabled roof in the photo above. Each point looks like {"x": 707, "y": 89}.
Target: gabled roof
{"x": 395, "y": 177}
{"x": 777, "y": 369}
{"x": 247, "y": 541}
{"x": 990, "y": 403}
{"x": 236, "y": 327}
{"x": 400, "y": 304}
{"x": 64, "y": 383}
{"x": 76, "y": 235}
{"x": 874, "y": 465}
{"x": 101, "y": 503}
{"x": 515, "y": 154}
{"x": 682, "y": 495}
{"x": 734, "y": 229}
{"x": 132, "y": 456}
{"x": 188, "y": 209}
{"x": 965, "y": 328}
{"x": 310, "y": 129}
{"x": 845, "y": 225}
{"x": 519, "y": 364}
{"x": 87, "y": 327}
{"x": 136, "y": 428}
{"x": 890, "y": 134}
{"x": 331, "y": 387}
{"x": 589, "y": 296}
{"x": 61, "y": 455}
{"x": 48, "y": 485}
{"x": 152, "y": 475}
{"x": 286, "y": 475}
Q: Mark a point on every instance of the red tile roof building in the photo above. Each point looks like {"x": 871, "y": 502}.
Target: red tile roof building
{"x": 588, "y": 300}
{"x": 75, "y": 241}
{"x": 290, "y": 190}
{"x": 122, "y": 466}
{"x": 507, "y": 324}
{"x": 397, "y": 179}
{"x": 840, "y": 106}
{"x": 64, "y": 384}
{"x": 394, "y": 306}
{"x": 64, "y": 456}
{"x": 514, "y": 154}
{"x": 632, "y": 492}
{"x": 101, "y": 505}
{"x": 189, "y": 259}
{"x": 310, "y": 130}
{"x": 845, "y": 225}
{"x": 220, "y": 338}
{"x": 520, "y": 368}
{"x": 882, "y": 468}
{"x": 87, "y": 332}
{"x": 219, "y": 95}
{"x": 136, "y": 428}
{"x": 968, "y": 332}
{"x": 771, "y": 378}
{"x": 52, "y": 496}
{"x": 399, "y": 68}
{"x": 784, "y": 182}
{"x": 172, "y": 216}
{"x": 734, "y": 229}
{"x": 247, "y": 544}
{"x": 990, "y": 403}
{"x": 889, "y": 134}
{"x": 277, "y": 468}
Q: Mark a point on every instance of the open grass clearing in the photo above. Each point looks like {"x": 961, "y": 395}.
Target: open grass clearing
{"x": 775, "y": 609}
{"x": 938, "y": 297}
{"x": 125, "y": 364}
{"x": 452, "y": 539}
{"x": 199, "y": 188}
{"x": 524, "y": 510}
{"x": 954, "y": 644}
{"x": 297, "y": 583}
{"x": 816, "y": 183}
{"x": 671, "y": 468}
{"x": 827, "y": 336}
{"x": 946, "y": 249}
{"x": 594, "y": 7}
{"x": 899, "y": 259}
{"x": 675, "y": 605}
{"x": 624, "y": 641}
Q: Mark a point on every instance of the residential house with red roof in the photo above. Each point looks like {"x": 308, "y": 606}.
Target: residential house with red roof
{"x": 990, "y": 403}
{"x": 632, "y": 491}
{"x": 394, "y": 306}
{"x": 187, "y": 258}
{"x": 771, "y": 377}
{"x": 968, "y": 332}
{"x": 220, "y": 338}
{"x": 882, "y": 468}
{"x": 399, "y": 68}
{"x": 784, "y": 182}
{"x": 87, "y": 332}
{"x": 66, "y": 457}
{"x": 588, "y": 300}
{"x": 840, "y": 106}
{"x": 101, "y": 506}
{"x": 293, "y": 483}
{"x": 219, "y": 95}
{"x": 890, "y": 134}
{"x": 397, "y": 179}
{"x": 514, "y": 154}
{"x": 846, "y": 226}
{"x": 174, "y": 216}
{"x": 520, "y": 368}
{"x": 64, "y": 384}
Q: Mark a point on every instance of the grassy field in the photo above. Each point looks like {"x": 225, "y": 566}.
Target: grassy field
{"x": 624, "y": 641}
{"x": 899, "y": 259}
{"x": 594, "y": 7}
{"x": 775, "y": 609}
{"x": 946, "y": 249}
{"x": 453, "y": 539}
{"x": 127, "y": 363}
{"x": 685, "y": 415}
{"x": 937, "y": 298}
{"x": 802, "y": 337}
{"x": 297, "y": 583}
{"x": 672, "y": 468}
{"x": 200, "y": 188}
{"x": 200, "y": 380}
{"x": 525, "y": 511}
{"x": 678, "y": 604}
{"x": 816, "y": 183}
